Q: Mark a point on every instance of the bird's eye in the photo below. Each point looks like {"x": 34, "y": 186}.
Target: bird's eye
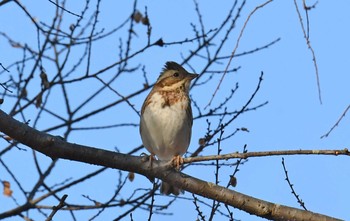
{"x": 176, "y": 74}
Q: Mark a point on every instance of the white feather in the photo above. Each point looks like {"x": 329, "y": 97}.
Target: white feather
{"x": 165, "y": 129}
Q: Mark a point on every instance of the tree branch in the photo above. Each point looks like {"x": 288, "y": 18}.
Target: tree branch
{"x": 246, "y": 155}
{"x": 56, "y": 208}
{"x": 55, "y": 147}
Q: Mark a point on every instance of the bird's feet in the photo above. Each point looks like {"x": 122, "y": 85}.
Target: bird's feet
{"x": 150, "y": 158}
{"x": 177, "y": 161}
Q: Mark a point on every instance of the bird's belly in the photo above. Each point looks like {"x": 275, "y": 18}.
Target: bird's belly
{"x": 167, "y": 130}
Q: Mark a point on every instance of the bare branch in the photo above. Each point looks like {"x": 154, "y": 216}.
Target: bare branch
{"x": 306, "y": 36}
{"x": 300, "y": 201}
{"x": 58, "y": 207}
{"x": 337, "y": 123}
{"x": 4, "y": 68}
{"x": 64, "y": 9}
{"x": 57, "y": 148}
{"x": 339, "y": 152}
{"x": 234, "y": 50}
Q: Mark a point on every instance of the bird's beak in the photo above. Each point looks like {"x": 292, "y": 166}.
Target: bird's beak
{"x": 192, "y": 76}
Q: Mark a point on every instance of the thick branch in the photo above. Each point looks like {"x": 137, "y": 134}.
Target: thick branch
{"x": 55, "y": 147}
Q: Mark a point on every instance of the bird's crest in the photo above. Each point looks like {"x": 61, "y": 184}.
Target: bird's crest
{"x": 171, "y": 65}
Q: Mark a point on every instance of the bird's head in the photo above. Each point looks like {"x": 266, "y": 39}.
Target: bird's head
{"x": 174, "y": 76}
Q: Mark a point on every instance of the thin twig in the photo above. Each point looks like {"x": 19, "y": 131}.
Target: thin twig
{"x": 208, "y": 137}
{"x": 307, "y": 8}
{"x": 233, "y": 180}
{"x": 4, "y": 68}
{"x": 336, "y": 124}
{"x": 64, "y": 9}
{"x": 121, "y": 96}
{"x": 344, "y": 152}
{"x": 300, "y": 201}
{"x": 234, "y": 50}
{"x": 199, "y": 212}
{"x": 216, "y": 204}
{"x": 155, "y": 187}
{"x": 58, "y": 207}
{"x": 311, "y": 49}
{"x": 5, "y": 88}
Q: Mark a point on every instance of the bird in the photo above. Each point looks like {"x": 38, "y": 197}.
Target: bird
{"x": 166, "y": 118}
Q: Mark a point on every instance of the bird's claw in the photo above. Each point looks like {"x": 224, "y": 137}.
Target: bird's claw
{"x": 177, "y": 161}
{"x": 149, "y": 158}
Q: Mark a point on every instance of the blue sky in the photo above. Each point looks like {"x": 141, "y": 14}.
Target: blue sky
{"x": 293, "y": 118}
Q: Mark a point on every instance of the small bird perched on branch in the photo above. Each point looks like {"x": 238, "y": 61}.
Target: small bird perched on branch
{"x": 166, "y": 118}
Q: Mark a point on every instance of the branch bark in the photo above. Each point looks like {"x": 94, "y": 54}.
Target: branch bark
{"x": 55, "y": 147}
{"x": 338, "y": 152}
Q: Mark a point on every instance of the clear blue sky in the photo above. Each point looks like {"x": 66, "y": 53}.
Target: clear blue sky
{"x": 293, "y": 119}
